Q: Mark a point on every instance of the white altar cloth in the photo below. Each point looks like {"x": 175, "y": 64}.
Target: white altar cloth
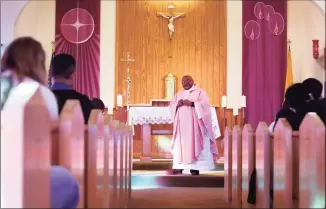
{"x": 161, "y": 115}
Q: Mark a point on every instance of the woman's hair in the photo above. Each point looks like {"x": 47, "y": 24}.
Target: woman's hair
{"x": 313, "y": 89}
{"x": 25, "y": 57}
{"x": 98, "y": 104}
{"x": 294, "y": 95}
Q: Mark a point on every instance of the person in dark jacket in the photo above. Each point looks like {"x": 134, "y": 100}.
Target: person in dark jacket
{"x": 314, "y": 102}
{"x": 63, "y": 68}
{"x": 293, "y": 108}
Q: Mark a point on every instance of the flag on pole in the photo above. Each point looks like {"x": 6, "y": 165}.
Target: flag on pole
{"x": 50, "y": 67}
{"x": 289, "y": 74}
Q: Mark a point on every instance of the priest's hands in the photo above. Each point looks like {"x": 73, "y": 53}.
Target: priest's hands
{"x": 186, "y": 102}
{"x": 180, "y": 103}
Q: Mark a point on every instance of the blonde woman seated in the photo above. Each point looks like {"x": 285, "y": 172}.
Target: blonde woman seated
{"x": 24, "y": 63}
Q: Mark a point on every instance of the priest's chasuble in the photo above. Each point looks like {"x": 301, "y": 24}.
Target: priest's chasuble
{"x": 193, "y": 143}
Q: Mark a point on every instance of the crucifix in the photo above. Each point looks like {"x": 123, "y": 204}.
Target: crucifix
{"x": 128, "y": 78}
{"x": 171, "y": 17}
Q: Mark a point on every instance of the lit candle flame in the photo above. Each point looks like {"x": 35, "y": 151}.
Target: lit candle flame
{"x": 260, "y": 14}
{"x": 276, "y": 29}
{"x": 252, "y": 35}
{"x": 267, "y": 17}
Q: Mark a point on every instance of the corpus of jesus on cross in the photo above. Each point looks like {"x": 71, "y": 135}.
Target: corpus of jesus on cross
{"x": 128, "y": 78}
{"x": 171, "y": 16}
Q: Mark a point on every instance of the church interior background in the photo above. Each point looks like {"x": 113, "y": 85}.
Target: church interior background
{"x": 212, "y": 42}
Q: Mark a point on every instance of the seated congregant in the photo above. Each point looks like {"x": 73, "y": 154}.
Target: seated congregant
{"x": 63, "y": 68}
{"x": 293, "y": 108}
{"x": 24, "y": 61}
{"x": 313, "y": 95}
{"x": 98, "y": 104}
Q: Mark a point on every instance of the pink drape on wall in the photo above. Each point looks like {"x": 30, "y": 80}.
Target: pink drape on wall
{"x": 78, "y": 33}
{"x": 264, "y": 58}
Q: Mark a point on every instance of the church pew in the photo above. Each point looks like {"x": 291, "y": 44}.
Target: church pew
{"x": 285, "y": 161}
{"x": 113, "y": 164}
{"x": 122, "y": 165}
{"x": 277, "y": 164}
{"x": 236, "y": 166}
{"x": 81, "y": 150}
{"x": 127, "y": 159}
{"x": 248, "y": 162}
{"x": 312, "y": 162}
{"x": 106, "y": 173}
{"x": 94, "y": 154}
{"x": 228, "y": 164}
{"x": 130, "y": 160}
{"x": 69, "y": 144}
{"x": 263, "y": 165}
{"x": 25, "y": 149}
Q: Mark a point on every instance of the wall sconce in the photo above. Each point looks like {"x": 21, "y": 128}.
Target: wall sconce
{"x": 315, "y": 48}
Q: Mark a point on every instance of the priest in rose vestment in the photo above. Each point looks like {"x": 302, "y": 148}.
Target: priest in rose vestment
{"x": 193, "y": 143}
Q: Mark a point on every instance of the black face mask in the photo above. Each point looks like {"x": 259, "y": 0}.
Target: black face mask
{"x": 6, "y": 87}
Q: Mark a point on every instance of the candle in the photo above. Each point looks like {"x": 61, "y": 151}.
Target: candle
{"x": 110, "y": 109}
{"x": 224, "y": 102}
{"x": 243, "y": 101}
{"x": 235, "y": 111}
{"x": 119, "y": 100}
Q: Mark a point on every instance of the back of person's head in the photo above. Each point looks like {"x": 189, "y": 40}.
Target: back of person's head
{"x": 294, "y": 96}
{"x": 26, "y": 58}
{"x": 312, "y": 89}
{"x": 63, "y": 66}
{"x": 98, "y": 104}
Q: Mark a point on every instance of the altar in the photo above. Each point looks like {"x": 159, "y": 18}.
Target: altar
{"x": 157, "y": 112}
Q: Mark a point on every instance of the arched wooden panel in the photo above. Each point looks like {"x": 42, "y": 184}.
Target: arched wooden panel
{"x": 198, "y": 47}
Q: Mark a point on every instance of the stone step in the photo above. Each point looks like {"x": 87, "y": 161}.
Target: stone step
{"x": 158, "y": 179}
{"x": 162, "y": 165}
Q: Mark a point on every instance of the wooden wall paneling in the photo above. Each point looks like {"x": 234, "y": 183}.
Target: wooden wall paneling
{"x": 118, "y": 50}
{"x": 222, "y": 50}
{"x": 164, "y": 65}
{"x": 131, "y": 47}
{"x": 148, "y": 70}
{"x": 204, "y": 46}
{"x": 198, "y": 33}
{"x": 216, "y": 54}
{"x": 136, "y": 81}
{"x": 210, "y": 47}
{"x": 125, "y": 44}
{"x": 156, "y": 54}
{"x": 192, "y": 37}
{"x": 185, "y": 44}
{"x": 198, "y": 47}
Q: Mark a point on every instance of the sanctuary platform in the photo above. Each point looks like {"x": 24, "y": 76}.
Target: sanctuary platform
{"x": 151, "y": 175}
